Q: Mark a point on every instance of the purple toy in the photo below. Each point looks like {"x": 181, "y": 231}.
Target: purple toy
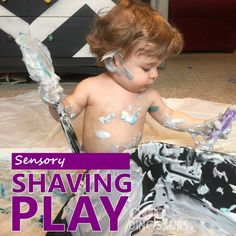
{"x": 226, "y": 121}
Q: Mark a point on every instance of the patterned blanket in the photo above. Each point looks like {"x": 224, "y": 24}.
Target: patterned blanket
{"x": 175, "y": 191}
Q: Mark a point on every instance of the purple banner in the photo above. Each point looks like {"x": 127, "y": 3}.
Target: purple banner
{"x": 70, "y": 161}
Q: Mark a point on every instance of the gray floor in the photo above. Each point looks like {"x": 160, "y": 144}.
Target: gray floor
{"x": 206, "y": 76}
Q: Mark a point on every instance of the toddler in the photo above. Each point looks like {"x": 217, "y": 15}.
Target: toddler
{"x": 130, "y": 41}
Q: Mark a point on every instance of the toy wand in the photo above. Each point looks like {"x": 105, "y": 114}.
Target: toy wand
{"x": 38, "y": 62}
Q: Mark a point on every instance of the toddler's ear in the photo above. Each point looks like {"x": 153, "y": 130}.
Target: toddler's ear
{"x": 113, "y": 61}
{"x": 109, "y": 61}
{"x": 117, "y": 60}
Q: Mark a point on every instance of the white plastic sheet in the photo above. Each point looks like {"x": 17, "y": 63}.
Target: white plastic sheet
{"x": 25, "y": 122}
{"x": 26, "y": 126}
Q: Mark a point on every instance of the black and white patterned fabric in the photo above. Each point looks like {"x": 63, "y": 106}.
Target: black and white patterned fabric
{"x": 175, "y": 191}
{"x": 196, "y": 187}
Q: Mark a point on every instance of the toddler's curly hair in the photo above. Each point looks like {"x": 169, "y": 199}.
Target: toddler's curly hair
{"x": 131, "y": 24}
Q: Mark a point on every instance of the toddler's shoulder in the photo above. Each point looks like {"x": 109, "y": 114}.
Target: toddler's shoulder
{"x": 88, "y": 83}
{"x": 153, "y": 93}
{"x": 93, "y": 80}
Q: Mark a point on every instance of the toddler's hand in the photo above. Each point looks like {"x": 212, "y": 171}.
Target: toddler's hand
{"x": 51, "y": 94}
{"x": 218, "y": 128}
{"x": 212, "y": 125}
{"x": 224, "y": 129}
{"x": 206, "y": 128}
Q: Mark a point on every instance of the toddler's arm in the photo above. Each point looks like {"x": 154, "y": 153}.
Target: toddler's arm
{"x": 74, "y": 103}
{"x": 181, "y": 121}
{"x": 78, "y": 100}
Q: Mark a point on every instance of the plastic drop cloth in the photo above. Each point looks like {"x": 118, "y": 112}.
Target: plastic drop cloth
{"x": 25, "y": 122}
{"x": 26, "y": 126}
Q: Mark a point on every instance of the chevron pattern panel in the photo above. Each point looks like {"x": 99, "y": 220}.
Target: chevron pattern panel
{"x": 62, "y": 25}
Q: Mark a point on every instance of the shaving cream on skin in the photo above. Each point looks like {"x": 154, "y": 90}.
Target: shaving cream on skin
{"x": 131, "y": 119}
{"x": 108, "y": 118}
{"x": 102, "y": 134}
{"x": 135, "y": 140}
{"x": 173, "y": 123}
